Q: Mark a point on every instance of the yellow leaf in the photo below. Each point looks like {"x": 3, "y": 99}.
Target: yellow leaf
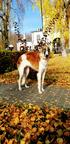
{"x": 3, "y": 128}
{"x": 10, "y": 141}
{"x": 16, "y": 120}
{"x": 39, "y": 142}
{"x": 22, "y": 141}
{"x": 59, "y": 141}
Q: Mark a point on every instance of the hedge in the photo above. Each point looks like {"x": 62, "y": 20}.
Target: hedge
{"x": 8, "y": 60}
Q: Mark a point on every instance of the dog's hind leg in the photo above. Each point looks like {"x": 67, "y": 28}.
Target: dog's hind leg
{"x": 21, "y": 73}
{"x": 23, "y": 80}
{"x": 26, "y": 72}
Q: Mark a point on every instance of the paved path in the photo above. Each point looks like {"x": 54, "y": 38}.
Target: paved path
{"x": 53, "y": 95}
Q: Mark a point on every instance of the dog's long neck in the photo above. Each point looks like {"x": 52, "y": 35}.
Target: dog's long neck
{"x": 42, "y": 56}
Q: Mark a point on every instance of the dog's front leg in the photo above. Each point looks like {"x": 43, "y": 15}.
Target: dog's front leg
{"x": 39, "y": 82}
{"x": 43, "y": 76}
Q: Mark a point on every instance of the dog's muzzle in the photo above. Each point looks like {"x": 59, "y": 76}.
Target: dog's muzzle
{"x": 46, "y": 53}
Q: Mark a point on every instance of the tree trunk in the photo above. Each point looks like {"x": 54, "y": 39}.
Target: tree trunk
{"x": 69, "y": 33}
{"x": 5, "y": 21}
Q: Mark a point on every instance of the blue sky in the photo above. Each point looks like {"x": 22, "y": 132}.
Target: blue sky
{"x": 31, "y": 19}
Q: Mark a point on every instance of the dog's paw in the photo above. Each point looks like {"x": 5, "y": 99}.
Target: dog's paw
{"x": 26, "y": 86}
{"x": 20, "y": 89}
{"x": 40, "y": 92}
{"x": 42, "y": 89}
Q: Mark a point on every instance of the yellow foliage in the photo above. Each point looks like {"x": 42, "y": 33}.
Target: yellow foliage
{"x": 50, "y": 10}
{"x": 51, "y": 121}
{"x": 59, "y": 4}
{"x": 66, "y": 34}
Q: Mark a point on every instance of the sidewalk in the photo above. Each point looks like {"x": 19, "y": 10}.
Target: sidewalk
{"x": 53, "y": 95}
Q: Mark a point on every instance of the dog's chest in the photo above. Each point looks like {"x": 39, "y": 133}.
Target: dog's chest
{"x": 43, "y": 64}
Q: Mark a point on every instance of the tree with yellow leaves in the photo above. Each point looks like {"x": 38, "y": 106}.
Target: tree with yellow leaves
{"x": 54, "y": 17}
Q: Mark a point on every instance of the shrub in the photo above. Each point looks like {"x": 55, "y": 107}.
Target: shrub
{"x": 8, "y": 60}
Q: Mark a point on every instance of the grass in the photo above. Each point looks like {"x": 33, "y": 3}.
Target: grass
{"x": 58, "y": 72}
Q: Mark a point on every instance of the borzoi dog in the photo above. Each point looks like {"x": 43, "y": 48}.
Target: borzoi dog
{"x": 36, "y": 60}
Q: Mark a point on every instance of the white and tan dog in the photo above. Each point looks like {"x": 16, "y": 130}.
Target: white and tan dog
{"x": 36, "y": 60}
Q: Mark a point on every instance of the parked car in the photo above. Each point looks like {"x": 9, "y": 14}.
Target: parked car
{"x": 10, "y": 47}
{"x": 57, "y": 45}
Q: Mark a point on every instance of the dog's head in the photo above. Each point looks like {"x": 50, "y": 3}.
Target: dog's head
{"x": 45, "y": 51}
